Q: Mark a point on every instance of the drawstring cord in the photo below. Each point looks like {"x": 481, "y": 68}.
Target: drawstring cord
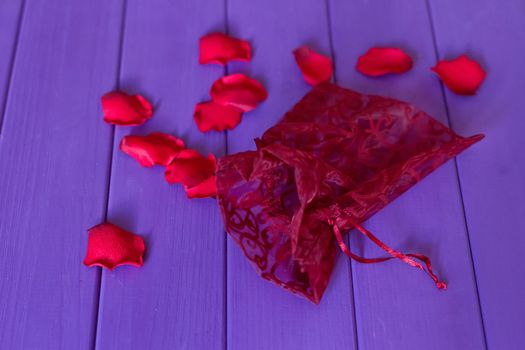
{"x": 406, "y": 258}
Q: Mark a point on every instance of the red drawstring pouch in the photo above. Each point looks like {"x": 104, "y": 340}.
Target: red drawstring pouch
{"x": 335, "y": 159}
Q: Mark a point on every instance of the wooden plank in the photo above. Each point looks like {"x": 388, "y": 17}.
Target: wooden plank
{"x": 261, "y": 315}
{"x": 492, "y": 174}
{"x": 398, "y": 307}
{"x": 53, "y": 156}
{"x": 10, "y": 19}
{"x": 175, "y": 301}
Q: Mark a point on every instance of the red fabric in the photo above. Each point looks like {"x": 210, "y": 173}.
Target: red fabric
{"x": 155, "y": 148}
{"x": 110, "y": 246}
{"x": 195, "y": 172}
{"x": 122, "y": 109}
{"x": 220, "y": 48}
{"x": 315, "y": 67}
{"x": 462, "y": 75}
{"x": 335, "y": 159}
{"x": 213, "y": 116}
{"x": 386, "y": 60}
{"x": 239, "y": 91}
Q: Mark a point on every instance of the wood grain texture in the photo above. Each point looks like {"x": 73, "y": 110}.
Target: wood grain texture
{"x": 398, "y": 307}
{"x": 261, "y": 315}
{"x": 10, "y": 19}
{"x": 53, "y": 158}
{"x": 492, "y": 174}
{"x": 61, "y": 172}
{"x": 176, "y": 299}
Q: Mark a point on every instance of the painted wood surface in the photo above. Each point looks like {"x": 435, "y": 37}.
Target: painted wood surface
{"x": 10, "y": 19}
{"x": 493, "y": 174}
{"x": 176, "y": 299}
{"x": 260, "y": 315}
{"x": 53, "y": 161}
{"x": 61, "y": 172}
{"x": 397, "y": 306}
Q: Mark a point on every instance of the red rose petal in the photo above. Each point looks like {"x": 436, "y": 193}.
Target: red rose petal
{"x": 461, "y": 75}
{"x": 238, "y": 90}
{"x": 156, "y": 148}
{"x": 315, "y": 67}
{"x": 123, "y": 109}
{"x": 110, "y": 246}
{"x": 214, "y": 116}
{"x": 221, "y": 48}
{"x": 380, "y": 61}
{"x": 207, "y": 188}
{"x": 190, "y": 168}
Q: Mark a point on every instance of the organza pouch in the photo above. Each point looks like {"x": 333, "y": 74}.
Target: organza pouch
{"x": 335, "y": 159}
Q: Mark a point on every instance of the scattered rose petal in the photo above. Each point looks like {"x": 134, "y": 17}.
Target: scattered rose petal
{"x": 110, "y": 246}
{"x": 207, "y": 188}
{"x": 461, "y": 75}
{"x": 194, "y": 171}
{"x": 221, "y": 48}
{"x": 156, "y": 148}
{"x": 213, "y": 116}
{"x": 238, "y": 90}
{"x": 380, "y": 61}
{"x": 122, "y": 109}
{"x": 315, "y": 67}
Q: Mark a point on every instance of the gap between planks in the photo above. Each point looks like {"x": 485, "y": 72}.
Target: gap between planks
{"x": 456, "y": 171}
{"x": 347, "y": 237}
{"x": 8, "y": 82}
{"x": 98, "y": 279}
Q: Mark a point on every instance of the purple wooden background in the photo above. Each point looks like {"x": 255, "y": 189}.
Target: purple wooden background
{"x": 61, "y": 172}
